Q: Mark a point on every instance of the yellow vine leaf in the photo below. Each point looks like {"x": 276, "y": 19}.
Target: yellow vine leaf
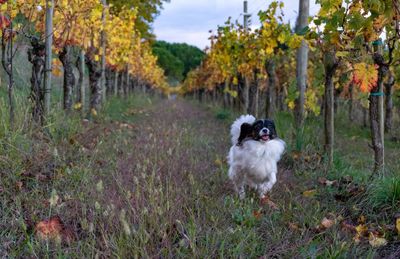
{"x": 375, "y": 241}
{"x": 310, "y": 193}
{"x": 78, "y": 106}
{"x": 365, "y": 76}
{"x": 93, "y": 112}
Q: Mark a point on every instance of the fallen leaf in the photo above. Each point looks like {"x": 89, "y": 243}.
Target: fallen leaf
{"x": 375, "y": 241}
{"x": 310, "y": 193}
{"x": 293, "y": 226}
{"x": 266, "y": 201}
{"x": 50, "y": 229}
{"x": 54, "y": 230}
{"x": 361, "y": 219}
{"x": 257, "y": 214}
{"x": 218, "y": 162}
{"x": 326, "y": 182}
{"x": 296, "y": 155}
{"x": 398, "y": 226}
{"x": 362, "y": 230}
{"x": 327, "y": 223}
{"x": 19, "y": 185}
{"x": 348, "y": 225}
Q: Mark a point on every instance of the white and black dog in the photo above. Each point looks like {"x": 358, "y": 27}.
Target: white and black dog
{"x": 255, "y": 152}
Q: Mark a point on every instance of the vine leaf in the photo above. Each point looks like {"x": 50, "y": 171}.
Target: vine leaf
{"x": 365, "y": 76}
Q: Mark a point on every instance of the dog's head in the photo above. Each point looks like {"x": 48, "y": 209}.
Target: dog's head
{"x": 260, "y": 130}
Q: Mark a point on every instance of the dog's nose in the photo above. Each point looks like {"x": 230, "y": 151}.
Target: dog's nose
{"x": 265, "y": 131}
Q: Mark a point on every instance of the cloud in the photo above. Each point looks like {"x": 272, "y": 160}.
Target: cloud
{"x": 190, "y": 20}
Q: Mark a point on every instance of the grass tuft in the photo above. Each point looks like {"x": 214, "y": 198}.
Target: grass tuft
{"x": 385, "y": 192}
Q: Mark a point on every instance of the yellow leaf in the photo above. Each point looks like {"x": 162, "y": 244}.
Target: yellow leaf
{"x": 361, "y": 229}
{"x": 96, "y": 57}
{"x": 310, "y": 193}
{"x": 218, "y": 162}
{"x": 291, "y": 105}
{"x": 78, "y": 106}
{"x": 235, "y": 81}
{"x": 398, "y": 226}
{"x": 375, "y": 241}
{"x": 93, "y": 112}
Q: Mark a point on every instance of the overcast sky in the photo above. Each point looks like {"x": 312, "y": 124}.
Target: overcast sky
{"x": 190, "y": 20}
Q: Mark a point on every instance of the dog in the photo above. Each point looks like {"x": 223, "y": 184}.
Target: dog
{"x": 253, "y": 157}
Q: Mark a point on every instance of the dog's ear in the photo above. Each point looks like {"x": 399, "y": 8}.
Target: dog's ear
{"x": 246, "y": 130}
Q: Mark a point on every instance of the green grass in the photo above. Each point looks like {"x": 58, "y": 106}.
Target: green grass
{"x": 138, "y": 183}
{"x": 385, "y": 192}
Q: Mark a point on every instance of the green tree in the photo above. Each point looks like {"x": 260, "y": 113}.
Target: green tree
{"x": 177, "y": 59}
{"x": 172, "y": 66}
{"x": 147, "y": 12}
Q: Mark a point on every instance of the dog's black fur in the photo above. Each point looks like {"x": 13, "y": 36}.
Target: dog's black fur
{"x": 254, "y": 130}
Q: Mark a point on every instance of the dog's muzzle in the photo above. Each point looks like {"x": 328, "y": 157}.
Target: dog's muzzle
{"x": 264, "y": 134}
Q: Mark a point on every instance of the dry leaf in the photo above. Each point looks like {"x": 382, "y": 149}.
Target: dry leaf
{"x": 293, "y": 226}
{"x": 327, "y": 223}
{"x": 347, "y": 225}
{"x": 326, "y": 182}
{"x": 257, "y": 214}
{"x": 375, "y": 241}
{"x": 54, "y": 230}
{"x": 310, "y": 193}
{"x": 362, "y": 230}
{"x": 398, "y": 226}
{"x": 50, "y": 229}
{"x": 266, "y": 201}
{"x": 19, "y": 185}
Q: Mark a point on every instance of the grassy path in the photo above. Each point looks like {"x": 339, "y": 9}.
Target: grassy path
{"x": 151, "y": 180}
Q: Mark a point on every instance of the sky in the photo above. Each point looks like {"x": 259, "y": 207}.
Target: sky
{"x": 190, "y": 21}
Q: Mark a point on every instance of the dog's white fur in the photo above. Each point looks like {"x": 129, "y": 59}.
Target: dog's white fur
{"x": 253, "y": 163}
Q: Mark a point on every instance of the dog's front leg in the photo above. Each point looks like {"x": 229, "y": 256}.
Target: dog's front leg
{"x": 267, "y": 186}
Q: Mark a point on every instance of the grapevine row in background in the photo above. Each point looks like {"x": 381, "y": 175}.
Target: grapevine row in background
{"x": 346, "y": 58}
{"x": 91, "y": 28}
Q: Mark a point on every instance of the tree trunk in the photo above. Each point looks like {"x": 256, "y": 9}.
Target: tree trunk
{"x": 127, "y": 80}
{"x": 376, "y": 114}
{"x": 226, "y": 97}
{"x": 36, "y": 56}
{"x": 253, "y": 93}
{"x": 116, "y": 75}
{"x": 330, "y": 65}
{"x": 94, "y": 84}
{"x": 109, "y": 82}
{"x": 270, "y": 105}
{"x": 301, "y": 65}
{"x": 365, "y": 116}
{"x": 48, "y": 54}
{"x": 65, "y": 57}
{"x": 389, "y": 103}
{"x": 121, "y": 84}
{"x": 245, "y": 93}
{"x": 7, "y": 61}
{"x": 80, "y": 93}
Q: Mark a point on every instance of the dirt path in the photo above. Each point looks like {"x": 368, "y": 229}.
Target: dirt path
{"x": 170, "y": 182}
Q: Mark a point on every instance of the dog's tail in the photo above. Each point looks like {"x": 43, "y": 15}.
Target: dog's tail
{"x": 235, "y": 128}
